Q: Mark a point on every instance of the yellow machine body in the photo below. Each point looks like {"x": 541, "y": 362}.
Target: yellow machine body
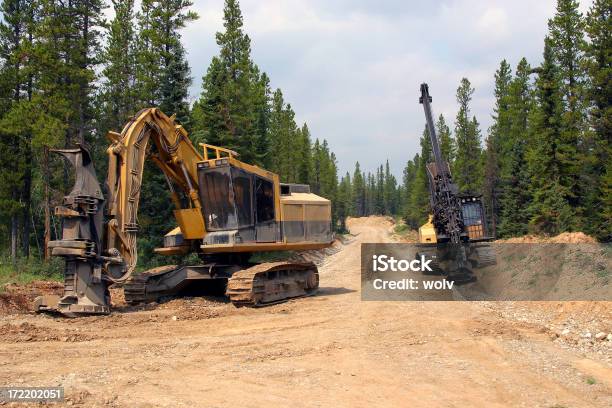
{"x": 427, "y": 232}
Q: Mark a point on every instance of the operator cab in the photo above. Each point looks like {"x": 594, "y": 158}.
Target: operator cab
{"x": 474, "y": 217}
{"x": 238, "y": 200}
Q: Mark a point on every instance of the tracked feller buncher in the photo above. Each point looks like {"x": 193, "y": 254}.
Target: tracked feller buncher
{"x": 225, "y": 211}
{"x": 456, "y": 236}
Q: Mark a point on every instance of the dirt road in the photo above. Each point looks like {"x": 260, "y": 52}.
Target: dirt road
{"x": 328, "y": 350}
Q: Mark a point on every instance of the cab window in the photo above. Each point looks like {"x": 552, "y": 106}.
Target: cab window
{"x": 264, "y": 200}
{"x": 243, "y": 197}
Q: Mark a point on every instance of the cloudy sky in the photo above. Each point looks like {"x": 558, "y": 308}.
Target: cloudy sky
{"x": 351, "y": 69}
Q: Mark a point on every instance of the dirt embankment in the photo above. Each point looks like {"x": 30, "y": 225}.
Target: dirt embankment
{"x": 327, "y": 350}
{"x": 548, "y": 271}
{"x": 563, "y": 238}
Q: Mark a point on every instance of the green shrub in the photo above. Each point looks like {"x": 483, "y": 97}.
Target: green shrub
{"x": 26, "y": 270}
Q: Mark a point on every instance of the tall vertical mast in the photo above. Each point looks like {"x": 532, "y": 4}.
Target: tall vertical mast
{"x": 426, "y": 100}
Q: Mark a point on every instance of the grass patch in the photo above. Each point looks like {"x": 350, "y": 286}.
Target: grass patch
{"x": 401, "y": 228}
{"x": 590, "y": 380}
{"x": 404, "y": 231}
{"x": 27, "y": 270}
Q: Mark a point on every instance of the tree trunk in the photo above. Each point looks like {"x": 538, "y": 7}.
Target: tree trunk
{"x": 493, "y": 216}
{"x": 47, "y": 202}
{"x": 27, "y": 200}
{"x": 14, "y": 229}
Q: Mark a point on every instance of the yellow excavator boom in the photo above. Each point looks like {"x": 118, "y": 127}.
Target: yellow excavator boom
{"x": 174, "y": 154}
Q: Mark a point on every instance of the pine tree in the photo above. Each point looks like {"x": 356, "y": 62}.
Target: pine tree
{"x": 232, "y": 98}
{"x": 515, "y": 179}
{"x": 468, "y": 163}
{"x": 325, "y": 175}
{"x": 304, "y": 162}
{"x": 447, "y": 144}
{"x": 290, "y": 143}
{"x": 416, "y": 209}
{"x": 408, "y": 180}
{"x": 315, "y": 183}
{"x": 358, "y": 193}
{"x": 118, "y": 94}
{"x": 598, "y": 171}
{"x": 207, "y": 122}
{"x": 566, "y": 31}
{"x": 174, "y": 86}
{"x": 67, "y": 53}
{"x": 390, "y": 190}
{"x": 277, "y": 132}
{"x": 550, "y": 210}
{"x": 285, "y": 141}
{"x": 330, "y": 190}
{"x": 496, "y": 145}
{"x": 492, "y": 183}
{"x": 148, "y": 64}
{"x": 379, "y": 197}
{"x": 344, "y": 201}
{"x": 599, "y": 66}
{"x": 164, "y": 74}
{"x": 262, "y": 121}
{"x": 370, "y": 193}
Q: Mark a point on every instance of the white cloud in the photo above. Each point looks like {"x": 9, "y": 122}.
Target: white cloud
{"x": 493, "y": 23}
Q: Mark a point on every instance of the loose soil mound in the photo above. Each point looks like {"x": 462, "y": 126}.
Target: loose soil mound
{"x": 19, "y": 298}
{"x": 564, "y": 238}
{"x": 373, "y": 220}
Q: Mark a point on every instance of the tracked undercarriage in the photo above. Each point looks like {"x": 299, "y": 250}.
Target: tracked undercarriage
{"x": 258, "y": 285}
{"x": 272, "y": 282}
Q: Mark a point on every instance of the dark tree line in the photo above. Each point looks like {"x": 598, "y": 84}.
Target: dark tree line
{"x": 69, "y": 76}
